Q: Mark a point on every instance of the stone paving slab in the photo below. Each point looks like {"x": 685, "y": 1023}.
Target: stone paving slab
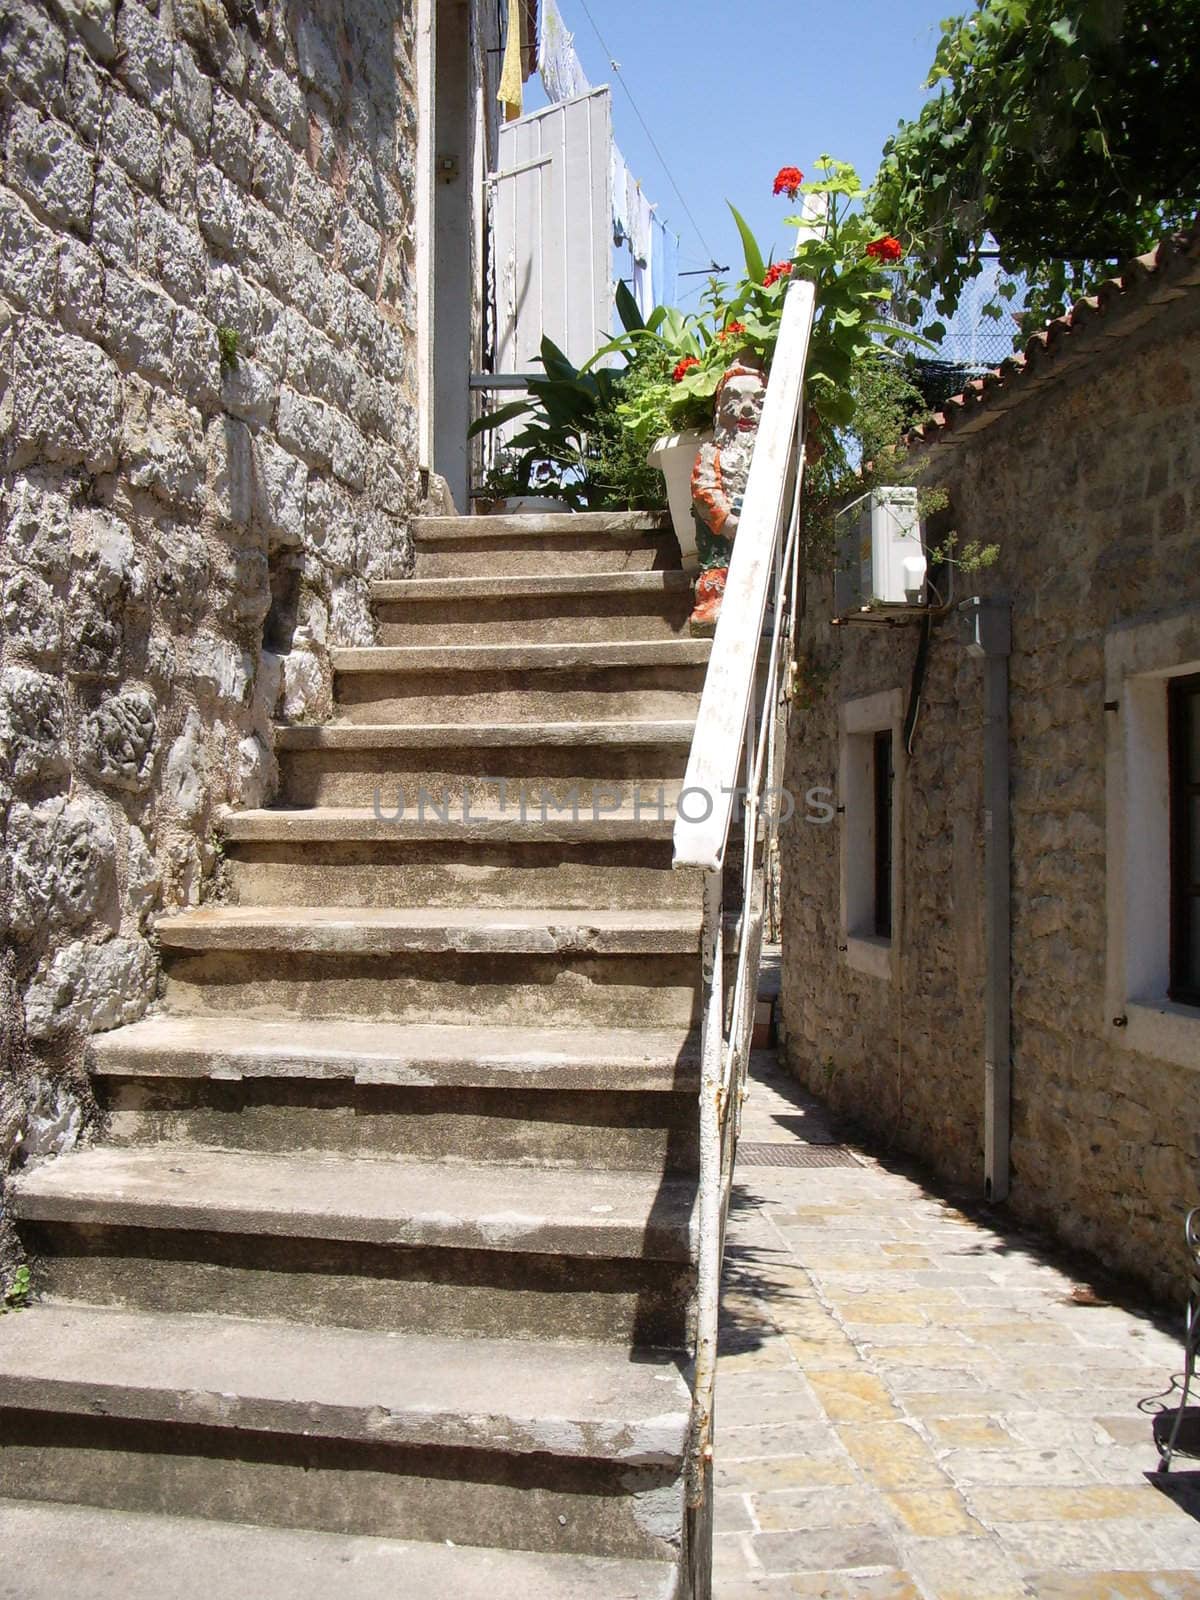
{"x": 913, "y": 1405}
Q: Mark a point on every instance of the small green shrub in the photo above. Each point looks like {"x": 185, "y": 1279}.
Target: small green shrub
{"x": 16, "y": 1291}
{"x": 227, "y": 344}
{"x": 572, "y": 445}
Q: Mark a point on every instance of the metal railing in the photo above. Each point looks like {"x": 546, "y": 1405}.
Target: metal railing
{"x": 736, "y": 765}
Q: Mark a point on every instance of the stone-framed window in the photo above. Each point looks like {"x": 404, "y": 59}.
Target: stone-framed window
{"x": 1147, "y": 663}
{"x": 870, "y": 777}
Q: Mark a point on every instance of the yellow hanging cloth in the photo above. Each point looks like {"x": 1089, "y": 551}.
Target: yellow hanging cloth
{"x": 511, "y": 76}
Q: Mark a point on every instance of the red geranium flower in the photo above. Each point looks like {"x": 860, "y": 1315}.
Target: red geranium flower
{"x": 886, "y": 249}
{"x": 781, "y": 269}
{"x": 684, "y": 366}
{"x": 788, "y": 181}
{"x": 734, "y": 327}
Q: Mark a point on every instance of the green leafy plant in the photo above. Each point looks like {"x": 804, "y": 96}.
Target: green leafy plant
{"x": 883, "y": 403}
{"x": 569, "y": 446}
{"x": 852, "y": 269}
{"x": 970, "y": 555}
{"x": 572, "y": 442}
{"x": 502, "y": 480}
{"x": 16, "y": 1291}
{"x": 678, "y": 356}
{"x": 227, "y": 345}
{"x": 619, "y": 448}
{"x": 1066, "y": 133}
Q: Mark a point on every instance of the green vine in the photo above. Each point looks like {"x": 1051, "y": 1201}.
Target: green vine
{"x": 1066, "y": 134}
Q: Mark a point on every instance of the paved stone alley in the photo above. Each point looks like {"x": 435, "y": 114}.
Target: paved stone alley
{"x": 911, "y": 1404}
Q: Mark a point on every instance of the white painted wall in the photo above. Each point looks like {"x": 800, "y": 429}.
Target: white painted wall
{"x": 552, "y": 214}
{"x": 1139, "y": 659}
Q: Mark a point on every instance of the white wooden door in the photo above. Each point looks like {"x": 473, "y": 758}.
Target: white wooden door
{"x": 552, "y": 232}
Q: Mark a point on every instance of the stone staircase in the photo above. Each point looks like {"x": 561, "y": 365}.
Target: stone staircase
{"x": 382, "y": 1277}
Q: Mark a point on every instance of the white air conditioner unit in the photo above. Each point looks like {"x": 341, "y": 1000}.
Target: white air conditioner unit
{"x": 880, "y": 554}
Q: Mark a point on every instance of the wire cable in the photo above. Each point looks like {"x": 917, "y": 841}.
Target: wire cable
{"x": 617, "y": 73}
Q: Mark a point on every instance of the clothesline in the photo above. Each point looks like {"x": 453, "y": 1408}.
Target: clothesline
{"x": 653, "y": 245}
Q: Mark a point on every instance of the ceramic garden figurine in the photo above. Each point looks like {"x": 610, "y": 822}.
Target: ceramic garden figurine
{"x": 719, "y": 483}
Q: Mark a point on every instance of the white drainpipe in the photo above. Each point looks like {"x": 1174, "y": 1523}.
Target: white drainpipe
{"x": 989, "y": 636}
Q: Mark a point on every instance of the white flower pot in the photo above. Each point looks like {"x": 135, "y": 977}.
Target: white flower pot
{"x": 674, "y": 456}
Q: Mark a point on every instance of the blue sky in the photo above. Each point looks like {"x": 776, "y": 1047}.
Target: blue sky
{"x": 733, "y": 92}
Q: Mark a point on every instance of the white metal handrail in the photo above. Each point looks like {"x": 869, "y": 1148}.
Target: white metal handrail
{"x": 735, "y": 760}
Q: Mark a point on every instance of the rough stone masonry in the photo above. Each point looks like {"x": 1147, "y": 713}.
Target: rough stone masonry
{"x": 1091, "y": 489}
{"x": 207, "y": 449}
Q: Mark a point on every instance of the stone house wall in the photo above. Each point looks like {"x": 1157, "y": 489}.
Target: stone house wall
{"x": 1091, "y": 488}
{"x": 207, "y": 450}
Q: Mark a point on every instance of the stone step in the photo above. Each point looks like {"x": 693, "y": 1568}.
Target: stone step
{"x": 544, "y": 1059}
{"x": 540, "y": 1097}
{"x": 619, "y": 655}
{"x": 321, "y": 857}
{"x": 450, "y": 1205}
{"x": 556, "y": 967}
{"x": 479, "y": 1442}
{"x": 132, "y": 1556}
{"x": 635, "y": 990}
{"x": 464, "y": 930}
{"x": 533, "y": 609}
{"x": 436, "y": 736}
{"x": 579, "y": 542}
{"x": 458, "y": 1247}
{"x": 595, "y": 763}
{"x": 631, "y": 680}
{"x": 600, "y": 525}
{"x": 361, "y": 824}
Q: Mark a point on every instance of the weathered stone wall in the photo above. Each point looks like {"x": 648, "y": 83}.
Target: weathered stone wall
{"x": 1092, "y": 490}
{"x": 207, "y": 449}
{"x": 890, "y": 1055}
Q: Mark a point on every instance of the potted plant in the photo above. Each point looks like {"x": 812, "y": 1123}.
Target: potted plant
{"x": 502, "y": 489}
{"x": 667, "y": 411}
{"x": 572, "y": 448}
{"x": 590, "y": 432}
{"x": 838, "y": 251}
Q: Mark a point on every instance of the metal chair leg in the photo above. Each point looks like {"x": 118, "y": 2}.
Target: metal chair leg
{"x": 1191, "y": 1343}
{"x": 1193, "y": 1337}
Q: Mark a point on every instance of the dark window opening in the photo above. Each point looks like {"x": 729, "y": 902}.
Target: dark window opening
{"x": 1183, "y": 722}
{"x": 883, "y": 775}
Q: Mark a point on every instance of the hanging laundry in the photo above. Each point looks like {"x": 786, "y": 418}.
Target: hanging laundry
{"x": 512, "y": 75}
{"x": 621, "y": 183}
{"x": 641, "y": 240}
{"x": 664, "y": 273}
{"x": 563, "y": 78}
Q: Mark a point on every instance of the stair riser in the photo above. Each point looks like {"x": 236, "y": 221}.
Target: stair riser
{"x": 521, "y": 557}
{"x": 636, "y": 694}
{"x": 534, "y": 620}
{"x": 632, "y": 991}
{"x": 532, "y": 1502}
{"x": 596, "y": 1129}
{"x": 633, "y": 875}
{"x": 590, "y": 782}
{"x": 380, "y": 1288}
